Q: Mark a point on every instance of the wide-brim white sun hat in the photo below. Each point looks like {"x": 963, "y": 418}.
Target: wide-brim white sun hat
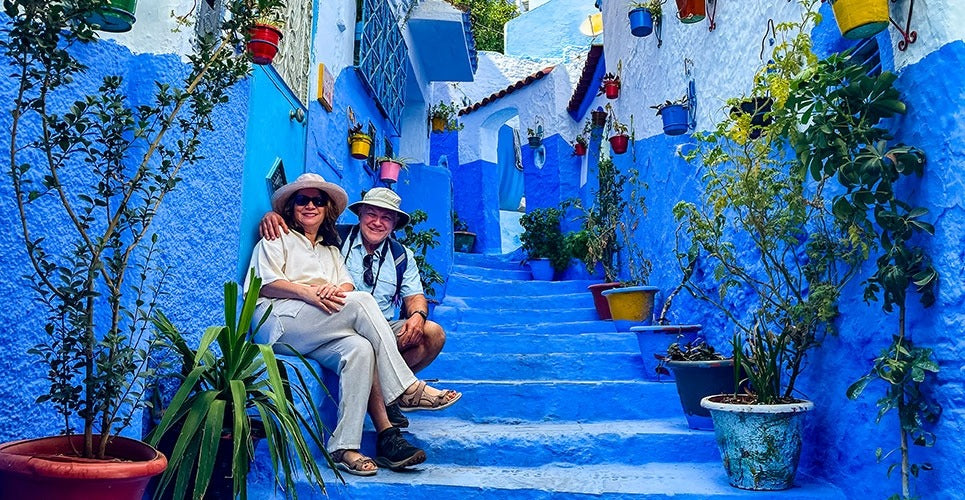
{"x": 308, "y": 181}
{"x": 383, "y": 198}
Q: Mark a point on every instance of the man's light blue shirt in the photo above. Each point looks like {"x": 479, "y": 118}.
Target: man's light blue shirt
{"x": 384, "y": 288}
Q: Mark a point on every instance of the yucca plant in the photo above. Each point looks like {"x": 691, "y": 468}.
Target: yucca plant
{"x": 220, "y": 396}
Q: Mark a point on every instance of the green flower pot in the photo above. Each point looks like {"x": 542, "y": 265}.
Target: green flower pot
{"x": 116, "y": 17}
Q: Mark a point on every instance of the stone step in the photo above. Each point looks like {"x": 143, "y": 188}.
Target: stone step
{"x": 560, "y": 301}
{"x": 511, "y": 401}
{"x": 601, "y": 366}
{"x": 658, "y": 480}
{"x": 532, "y": 343}
{"x": 517, "y": 273}
{"x": 627, "y": 442}
{"x": 529, "y": 311}
{"x": 462, "y": 285}
{"x": 482, "y": 261}
{"x": 544, "y": 326}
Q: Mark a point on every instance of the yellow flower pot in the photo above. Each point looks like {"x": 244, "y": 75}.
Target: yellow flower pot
{"x": 859, "y": 19}
{"x": 630, "y": 306}
{"x": 438, "y": 124}
{"x": 360, "y": 145}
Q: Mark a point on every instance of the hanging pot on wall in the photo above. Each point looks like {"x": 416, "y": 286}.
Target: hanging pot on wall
{"x": 534, "y": 141}
{"x": 598, "y": 118}
{"x": 264, "y": 43}
{"x": 619, "y": 143}
{"x": 641, "y": 21}
{"x": 579, "y": 149}
{"x": 116, "y": 17}
{"x": 859, "y": 19}
{"x": 691, "y": 11}
{"x": 611, "y": 88}
{"x": 360, "y": 145}
{"x": 389, "y": 171}
{"x": 438, "y": 124}
{"x": 676, "y": 119}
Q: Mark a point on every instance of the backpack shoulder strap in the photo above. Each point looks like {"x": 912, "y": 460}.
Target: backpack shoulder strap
{"x": 401, "y": 261}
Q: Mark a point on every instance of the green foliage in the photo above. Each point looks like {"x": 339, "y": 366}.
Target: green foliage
{"x": 654, "y": 6}
{"x": 219, "y": 395}
{"x": 447, "y": 112}
{"x": 542, "y": 237}
{"x": 458, "y": 224}
{"x": 107, "y": 166}
{"x": 488, "y": 19}
{"x": 596, "y": 242}
{"x": 767, "y": 234}
{"x": 420, "y": 242}
{"x": 841, "y": 109}
{"x": 634, "y": 210}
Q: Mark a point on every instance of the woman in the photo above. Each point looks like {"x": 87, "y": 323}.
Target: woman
{"x": 316, "y": 312}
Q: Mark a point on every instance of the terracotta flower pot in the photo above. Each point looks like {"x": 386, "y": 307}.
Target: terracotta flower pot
{"x": 49, "y": 468}
{"x": 611, "y": 88}
{"x": 619, "y": 143}
{"x": 599, "y": 301}
{"x": 264, "y": 43}
{"x": 579, "y": 149}
{"x": 691, "y": 11}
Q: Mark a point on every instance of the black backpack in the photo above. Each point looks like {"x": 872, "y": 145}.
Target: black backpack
{"x": 349, "y": 232}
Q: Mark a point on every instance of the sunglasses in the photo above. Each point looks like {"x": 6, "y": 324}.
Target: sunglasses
{"x": 302, "y": 200}
{"x": 367, "y": 276}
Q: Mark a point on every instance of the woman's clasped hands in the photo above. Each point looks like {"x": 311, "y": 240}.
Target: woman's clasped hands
{"x": 326, "y": 296}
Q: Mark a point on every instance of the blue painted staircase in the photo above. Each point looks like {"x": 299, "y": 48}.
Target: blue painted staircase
{"x": 555, "y": 405}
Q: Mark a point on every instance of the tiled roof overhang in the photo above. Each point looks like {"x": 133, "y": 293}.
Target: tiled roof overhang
{"x": 589, "y": 83}
{"x": 506, "y": 91}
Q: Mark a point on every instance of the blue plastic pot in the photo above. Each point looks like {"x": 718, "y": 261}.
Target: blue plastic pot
{"x": 653, "y": 341}
{"x": 641, "y": 22}
{"x": 542, "y": 269}
{"x": 760, "y": 445}
{"x": 676, "y": 119}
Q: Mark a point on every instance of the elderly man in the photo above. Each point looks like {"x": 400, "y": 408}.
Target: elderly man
{"x": 371, "y": 258}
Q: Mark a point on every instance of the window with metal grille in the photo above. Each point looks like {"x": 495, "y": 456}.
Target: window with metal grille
{"x": 380, "y": 56}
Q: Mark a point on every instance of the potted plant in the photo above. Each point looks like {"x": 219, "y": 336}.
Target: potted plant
{"x": 644, "y": 15}
{"x": 542, "y": 241}
{"x": 631, "y": 304}
{"x": 620, "y": 134}
{"x": 442, "y": 117}
{"x": 756, "y": 112}
{"x": 116, "y": 16}
{"x": 675, "y": 115}
{"x": 598, "y": 118}
{"x": 463, "y": 239}
{"x": 600, "y": 222}
{"x": 360, "y": 143}
{"x": 699, "y": 371}
{"x": 610, "y": 86}
{"x": 265, "y": 31}
{"x": 534, "y": 135}
{"x": 758, "y": 198}
{"x": 863, "y": 161}
{"x": 691, "y": 11}
{"x": 579, "y": 145}
{"x": 220, "y": 394}
{"x": 859, "y": 19}
{"x": 107, "y": 164}
{"x": 389, "y": 168}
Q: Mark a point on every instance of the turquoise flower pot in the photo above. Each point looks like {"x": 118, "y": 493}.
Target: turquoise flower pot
{"x": 760, "y": 445}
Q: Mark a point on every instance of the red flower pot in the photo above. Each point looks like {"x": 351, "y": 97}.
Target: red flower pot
{"x": 611, "y": 88}
{"x": 599, "y": 301}
{"x": 598, "y": 118}
{"x": 264, "y": 43}
{"x": 579, "y": 149}
{"x": 619, "y": 143}
{"x": 691, "y": 11}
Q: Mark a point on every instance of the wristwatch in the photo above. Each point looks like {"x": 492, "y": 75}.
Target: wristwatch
{"x": 424, "y": 314}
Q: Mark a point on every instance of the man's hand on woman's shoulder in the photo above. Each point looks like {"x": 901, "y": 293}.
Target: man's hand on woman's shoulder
{"x": 271, "y": 226}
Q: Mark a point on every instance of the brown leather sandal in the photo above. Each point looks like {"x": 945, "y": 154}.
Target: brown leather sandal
{"x": 419, "y": 400}
{"x": 355, "y": 467}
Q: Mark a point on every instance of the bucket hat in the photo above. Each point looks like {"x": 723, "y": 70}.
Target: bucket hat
{"x": 383, "y": 198}
{"x": 307, "y": 181}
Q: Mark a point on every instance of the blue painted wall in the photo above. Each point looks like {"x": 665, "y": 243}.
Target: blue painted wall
{"x": 198, "y": 227}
